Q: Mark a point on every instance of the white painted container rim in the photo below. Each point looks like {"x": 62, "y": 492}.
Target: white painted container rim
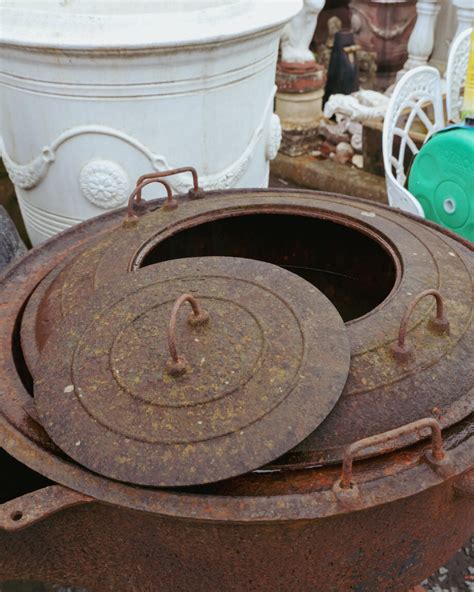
{"x": 140, "y": 24}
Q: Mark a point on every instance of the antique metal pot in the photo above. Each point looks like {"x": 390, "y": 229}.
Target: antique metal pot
{"x": 371, "y": 266}
{"x": 307, "y": 520}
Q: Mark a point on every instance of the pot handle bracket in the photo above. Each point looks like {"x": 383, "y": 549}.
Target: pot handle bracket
{"x": 348, "y": 492}
{"x": 28, "y": 509}
{"x": 135, "y": 200}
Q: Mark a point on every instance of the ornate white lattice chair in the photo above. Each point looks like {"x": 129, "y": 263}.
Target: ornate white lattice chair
{"x": 416, "y": 93}
{"x": 456, "y": 74}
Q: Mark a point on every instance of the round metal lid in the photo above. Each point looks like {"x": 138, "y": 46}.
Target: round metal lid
{"x": 135, "y": 388}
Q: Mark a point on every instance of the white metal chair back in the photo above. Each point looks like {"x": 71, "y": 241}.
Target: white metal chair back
{"x": 456, "y": 74}
{"x": 416, "y": 90}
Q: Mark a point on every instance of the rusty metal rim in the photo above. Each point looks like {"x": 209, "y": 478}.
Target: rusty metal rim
{"x": 372, "y": 204}
{"x": 30, "y": 315}
{"x": 306, "y": 211}
{"x": 385, "y": 302}
{"x": 29, "y": 343}
{"x": 419, "y": 477}
{"x": 296, "y": 460}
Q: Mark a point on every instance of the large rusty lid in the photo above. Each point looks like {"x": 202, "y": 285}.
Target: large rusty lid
{"x": 324, "y": 238}
{"x": 135, "y": 388}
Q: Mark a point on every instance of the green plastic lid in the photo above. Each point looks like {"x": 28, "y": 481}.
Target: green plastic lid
{"x": 442, "y": 179}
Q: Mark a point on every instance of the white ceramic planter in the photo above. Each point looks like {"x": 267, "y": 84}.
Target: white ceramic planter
{"x": 94, "y": 94}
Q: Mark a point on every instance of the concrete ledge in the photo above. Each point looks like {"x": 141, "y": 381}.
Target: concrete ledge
{"x": 327, "y": 175}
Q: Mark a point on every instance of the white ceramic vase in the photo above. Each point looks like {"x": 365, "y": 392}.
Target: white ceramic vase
{"x": 97, "y": 93}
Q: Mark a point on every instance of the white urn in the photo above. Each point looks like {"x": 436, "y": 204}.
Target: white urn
{"x": 97, "y": 93}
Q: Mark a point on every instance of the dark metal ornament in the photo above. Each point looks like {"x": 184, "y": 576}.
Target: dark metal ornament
{"x": 343, "y": 71}
{"x": 130, "y": 388}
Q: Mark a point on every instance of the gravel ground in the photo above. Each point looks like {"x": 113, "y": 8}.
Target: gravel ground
{"x": 457, "y": 575}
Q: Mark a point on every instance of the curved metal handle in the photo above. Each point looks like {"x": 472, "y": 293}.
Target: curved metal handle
{"x": 135, "y": 197}
{"x": 176, "y": 364}
{"x": 401, "y": 349}
{"x": 437, "y": 448}
{"x": 194, "y": 193}
{"x": 38, "y": 505}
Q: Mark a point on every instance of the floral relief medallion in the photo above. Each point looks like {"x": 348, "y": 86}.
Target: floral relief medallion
{"x": 104, "y": 183}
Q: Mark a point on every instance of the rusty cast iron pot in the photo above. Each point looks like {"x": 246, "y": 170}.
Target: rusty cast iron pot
{"x": 371, "y": 266}
{"x": 384, "y": 527}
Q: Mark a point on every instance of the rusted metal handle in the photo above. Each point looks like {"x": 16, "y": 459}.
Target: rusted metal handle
{"x": 437, "y": 448}
{"x": 38, "y": 505}
{"x": 401, "y": 349}
{"x": 156, "y": 176}
{"x": 176, "y": 364}
{"x": 136, "y": 196}
{"x": 194, "y": 193}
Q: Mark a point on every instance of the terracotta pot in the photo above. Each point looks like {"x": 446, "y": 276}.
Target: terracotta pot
{"x": 384, "y": 26}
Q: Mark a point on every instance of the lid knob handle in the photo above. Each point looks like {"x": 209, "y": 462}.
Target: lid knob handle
{"x": 136, "y": 198}
{"x": 403, "y": 350}
{"x": 176, "y": 365}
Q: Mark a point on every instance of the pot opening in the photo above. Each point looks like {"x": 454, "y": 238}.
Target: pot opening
{"x": 354, "y": 270}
